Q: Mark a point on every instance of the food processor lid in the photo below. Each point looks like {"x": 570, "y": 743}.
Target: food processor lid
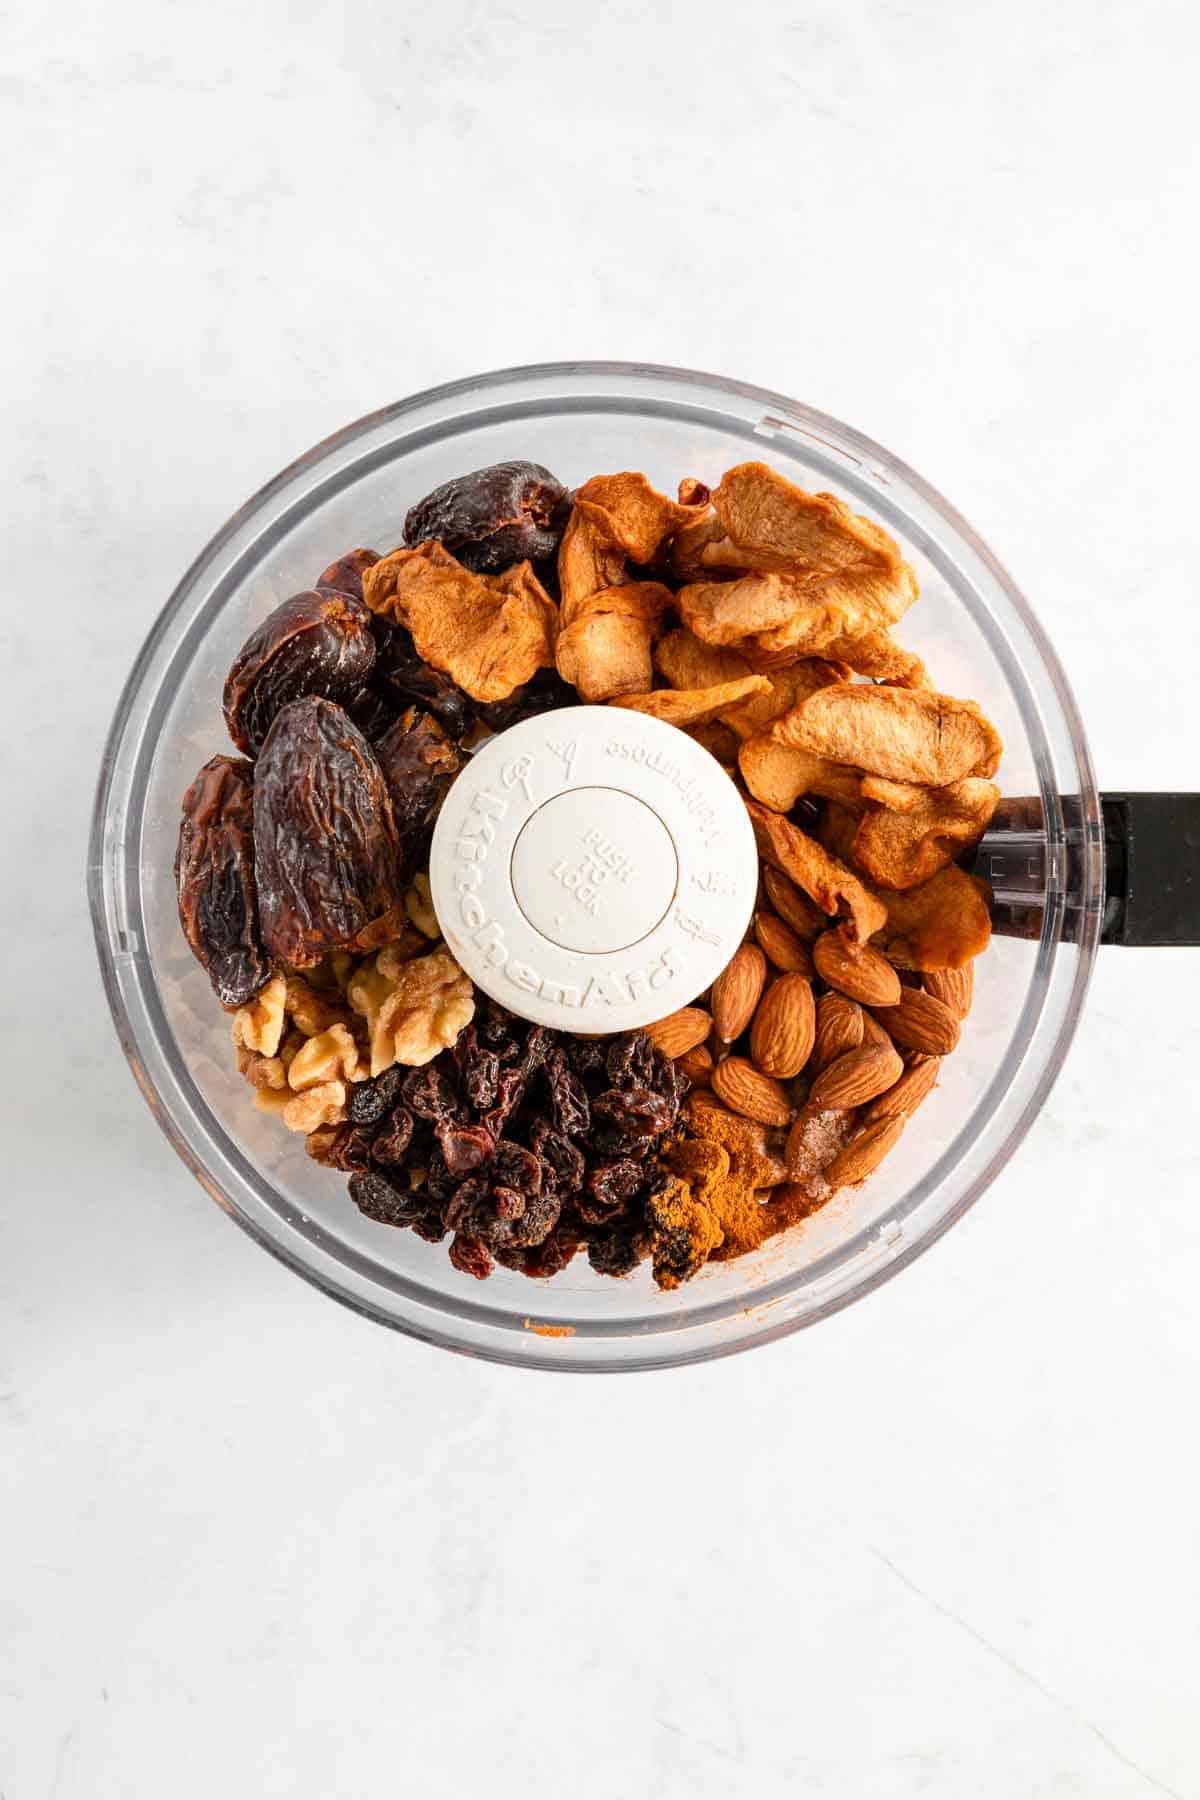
{"x": 593, "y": 868}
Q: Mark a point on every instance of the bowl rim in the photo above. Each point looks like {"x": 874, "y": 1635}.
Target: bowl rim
{"x": 1088, "y": 849}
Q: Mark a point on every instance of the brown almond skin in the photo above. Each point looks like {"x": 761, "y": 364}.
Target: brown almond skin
{"x": 955, "y": 988}
{"x": 873, "y": 1032}
{"x": 864, "y": 1153}
{"x": 737, "y": 991}
{"x": 839, "y": 1028}
{"x": 861, "y": 973}
{"x": 781, "y": 1037}
{"x": 680, "y": 1031}
{"x": 921, "y": 1022}
{"x": 916, "y": 1084}
{"x": 793, "y": 907}
{"x": 856, "y": 1078}
{"x": 745, "y": 1090}
{"x": 697, "y": 1065}
{"x": 783, "y": 946}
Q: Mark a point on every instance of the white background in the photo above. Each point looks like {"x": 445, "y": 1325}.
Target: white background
{"x": 947, "y": 1543}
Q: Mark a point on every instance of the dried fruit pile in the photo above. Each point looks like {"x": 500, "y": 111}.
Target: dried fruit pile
{"x": 758, "y": 618}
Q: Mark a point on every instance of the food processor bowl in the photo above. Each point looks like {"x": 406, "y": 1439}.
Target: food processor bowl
{"x": 978, "y": 637}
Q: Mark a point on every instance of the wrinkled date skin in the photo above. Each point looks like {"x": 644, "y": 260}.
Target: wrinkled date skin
{"x": 314, "y": 643}
{"x": 493, "y": 517}
{"x": 419, "y": 763}
{"x": 345, "y": 575}
{"x": 325, "y": 847}
{"x": 215, "y": 876}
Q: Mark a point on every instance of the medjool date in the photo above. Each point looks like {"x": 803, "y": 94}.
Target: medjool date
{"x": 405, "y": 676}
{"x": 325, "y": 846}
{"x": 345, "y": 575}
{"x": 215, "y": 876}
{"x": 419, "y": 763}
{"x": 314, "y": 643}
{"x": 493, "y": 517}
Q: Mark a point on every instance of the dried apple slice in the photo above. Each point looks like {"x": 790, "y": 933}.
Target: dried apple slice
{"x": 779, "y": 776}
{"x": 942, "y": 924}
{"x": 489, "y": 633}
{"x": 694, "y": 706}
{"x": 902, "y": 733}
{"x": 904, "y": 849}
{"x": 833, "y": 886}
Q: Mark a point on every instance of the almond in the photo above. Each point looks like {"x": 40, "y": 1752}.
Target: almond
{"x": 921, "y": 1022}
{"x": 955, "y": 988}
{"x": 756, "y": 1096}
{"x": 864, "y": 1153}
{"x": 680, "y": 1031}
{"x": 793, "y": 907}
{"x": 855, "y": 1078}
{"x": 873, "y": 1032}
{"x": 856, "y": 970}
{"x": 785, "y": 948}
{"x": 697, "y": 1065}
{"x": 839, "y": 1028}
{"x": 736, "y": 992}
{"x": 781, "y": 1037}
{"x": 916, "y": 1084}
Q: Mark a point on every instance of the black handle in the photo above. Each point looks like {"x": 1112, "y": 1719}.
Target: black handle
{"x": 1152, "y": 869}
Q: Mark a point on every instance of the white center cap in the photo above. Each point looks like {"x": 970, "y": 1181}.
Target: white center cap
{"x": 594, "y": 869}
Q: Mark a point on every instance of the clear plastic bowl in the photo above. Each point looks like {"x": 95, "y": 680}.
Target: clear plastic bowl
{"x": 979, "y": 638}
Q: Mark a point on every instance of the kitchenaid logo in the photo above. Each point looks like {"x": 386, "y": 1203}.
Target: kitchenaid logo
{"x": 612, "y": 987}
{"x": 690, "y": 788}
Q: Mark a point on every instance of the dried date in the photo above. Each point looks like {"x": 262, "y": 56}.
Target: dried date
{"x": 215, "y": 878}
{"x": 345, "y": 575}
{"x": 493, "y": 517}
{"x": 404, "y": 677}
{"x": 314, "y": 643}
{"x": 324, "y": 837}
{"x": 419, "y": 764}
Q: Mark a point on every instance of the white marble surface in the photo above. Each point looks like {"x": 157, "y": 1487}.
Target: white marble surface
{"x": 944, "y": 1544}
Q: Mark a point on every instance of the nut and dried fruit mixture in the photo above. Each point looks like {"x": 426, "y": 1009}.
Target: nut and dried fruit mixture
{"x": 754, "y": 616}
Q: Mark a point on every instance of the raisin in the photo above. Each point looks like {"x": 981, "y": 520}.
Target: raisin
{"x": 635, "y": 1112}
{"x": 560, "y": 1158}
{"x": 609, "y": 1188}
{"x": 508, "y": 1203}
{"x": 351, "y": 1149}
{"x": 392, "y": 1141}
{"x": 419, "y": 764}
{"x": 470, "y": 1256}
{"x": 382, "y": 1200}
{"x": 369, "y": 1100}
{"x": 324, "y": 838}
{"x": 539, "y": 1261}
{"x": 313, "y": 643}
{"x": 538, "y": 1219}
{"x": 345, "y": 575}
{"x": 493, "y": 517}
{"x": 587, "y": 1055}
{"x": 568, "y": 1096}
{"x": 429, "y": 1095}
{"x": 515, "y": 1167}
{"x": 480, "y": 1069}
{"x": 215, "y": 877}
{"x": 616, "y": 1249}
{"x": 400, "y": 672}
{"x": 464, "y": 1147}
{"x": 630, "y": 1059}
